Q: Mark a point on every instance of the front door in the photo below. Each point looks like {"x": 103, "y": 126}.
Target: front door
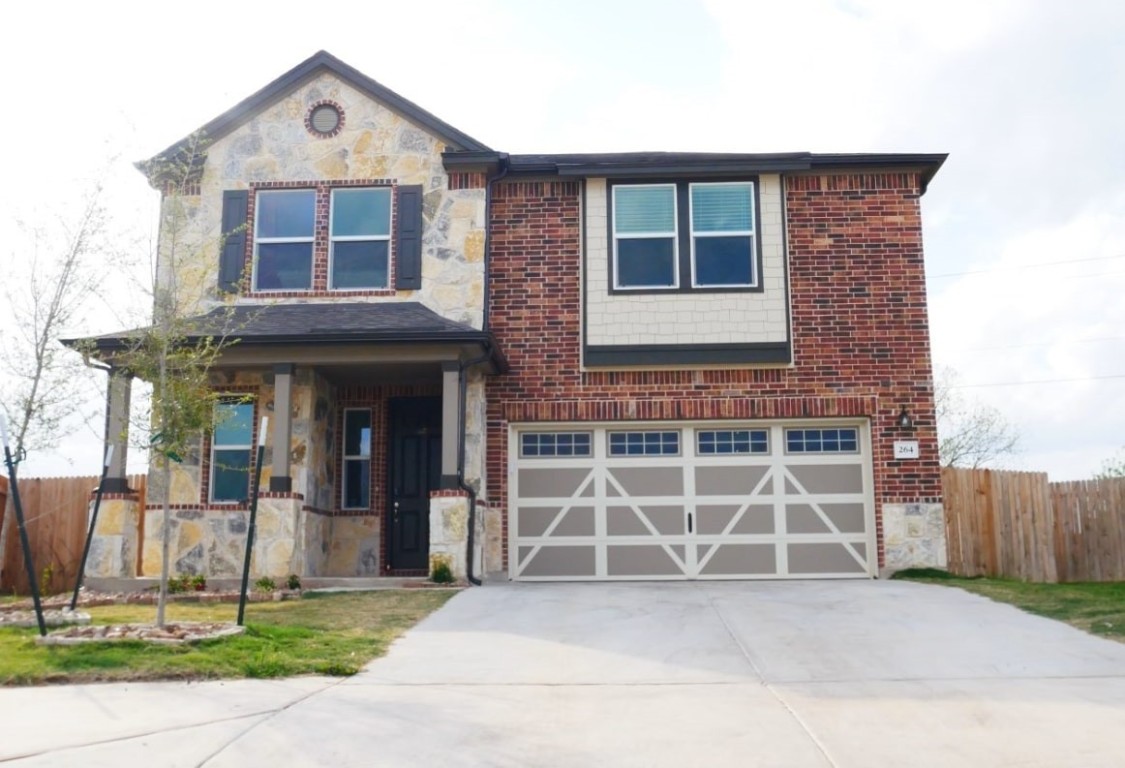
{"x": 415, "y": 452}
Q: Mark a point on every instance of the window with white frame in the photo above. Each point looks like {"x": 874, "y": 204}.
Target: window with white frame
{"x": 822, "y": 440}
{"x": 647, "y": 443}
{"x": 551, "y": 444}
{"x": 357, "y": 459}
{"x": 284, "y": 233}
{"x": 232, "y": 442}
{"x": 731, "y": 441}
{"x": 290, "y": 243}
{"x": 722, "y": 235}
{"x": 360, "y": 238}
{"x": 644, "y": 236}
{"x": 684, "y": 236}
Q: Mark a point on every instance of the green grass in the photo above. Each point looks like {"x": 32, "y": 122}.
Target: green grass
{"x": 330, "y": 634}
{"x": 1095, "y": 607}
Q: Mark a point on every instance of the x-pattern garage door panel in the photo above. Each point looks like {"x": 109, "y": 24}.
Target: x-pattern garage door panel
{"x": 768, "y": 514}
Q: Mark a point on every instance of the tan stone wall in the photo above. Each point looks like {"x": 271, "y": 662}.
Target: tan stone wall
{"x": 375, "y": 143}
{"x": 113, "y": 550}
{"x": 213, "y": 541}
{"x": 314, "y": 440}
{"x": 449, "y": 531}
{"x": 353, "y": 546}
{"x": 914, "y": 536}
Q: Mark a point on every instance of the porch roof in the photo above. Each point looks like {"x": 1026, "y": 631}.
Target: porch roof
{"x": 319, "y": 324}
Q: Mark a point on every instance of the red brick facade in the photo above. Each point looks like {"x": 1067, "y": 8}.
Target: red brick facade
{"x": 859, "y": 328}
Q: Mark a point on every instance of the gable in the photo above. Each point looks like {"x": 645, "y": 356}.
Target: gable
{"x": 317, "y": 66}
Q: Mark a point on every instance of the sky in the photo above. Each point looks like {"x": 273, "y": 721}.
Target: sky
{"x": 1024, "y": 225}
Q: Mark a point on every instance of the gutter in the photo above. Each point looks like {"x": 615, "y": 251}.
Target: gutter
{"x": 463, "y": 379}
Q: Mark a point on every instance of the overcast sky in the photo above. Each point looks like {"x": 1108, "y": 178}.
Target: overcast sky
{"x": 1024, "y": 226}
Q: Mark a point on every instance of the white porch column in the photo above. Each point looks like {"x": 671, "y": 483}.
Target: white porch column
{"x": 119, "y": 391}
{"x": 450, "y": 422}
{"x": 280, "y": 481}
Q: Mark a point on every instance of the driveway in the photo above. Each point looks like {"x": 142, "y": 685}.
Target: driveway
{"x": 850, "y": 673}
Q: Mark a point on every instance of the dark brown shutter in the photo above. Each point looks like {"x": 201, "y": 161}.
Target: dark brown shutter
{"x": 408, "y": 238}
{"x": 232, "y": 257}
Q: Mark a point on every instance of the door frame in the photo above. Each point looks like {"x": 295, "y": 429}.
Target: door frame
{"x": 390, "y": 567}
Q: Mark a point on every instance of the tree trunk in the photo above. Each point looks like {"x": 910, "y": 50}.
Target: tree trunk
{"x": 166, "y": 472}
{"x": 7, "y": 516}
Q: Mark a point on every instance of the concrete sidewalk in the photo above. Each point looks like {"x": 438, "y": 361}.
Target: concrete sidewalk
{"x": 749, "y": 674}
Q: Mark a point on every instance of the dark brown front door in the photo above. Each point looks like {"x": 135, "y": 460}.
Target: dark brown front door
{"x": 415, "y": 451}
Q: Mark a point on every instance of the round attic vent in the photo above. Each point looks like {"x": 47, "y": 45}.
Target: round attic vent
{"x": 325, "y": 119}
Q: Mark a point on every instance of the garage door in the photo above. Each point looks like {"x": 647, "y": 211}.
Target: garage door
{"x": 737, "y": 501}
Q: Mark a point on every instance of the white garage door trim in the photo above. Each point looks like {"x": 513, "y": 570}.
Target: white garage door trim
{"x": 567, "y": 519}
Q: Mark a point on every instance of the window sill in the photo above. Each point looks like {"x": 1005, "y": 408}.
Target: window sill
{"x": 686, "y": 290}
{"x": 319, "y": 294}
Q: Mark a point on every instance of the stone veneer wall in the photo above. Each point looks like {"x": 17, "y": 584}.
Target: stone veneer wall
{"x": 914, "y": 536}
{"x": 449, "y": 530}
{"x": 113, "y": 550}
{"x": 859, "y": 327}
{"x": 376, "y": 145}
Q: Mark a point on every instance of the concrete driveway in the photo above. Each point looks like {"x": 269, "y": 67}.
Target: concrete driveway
{"x": 851, "y": 673}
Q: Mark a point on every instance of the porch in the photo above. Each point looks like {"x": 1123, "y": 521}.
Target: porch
{"x": 373, "y": 451}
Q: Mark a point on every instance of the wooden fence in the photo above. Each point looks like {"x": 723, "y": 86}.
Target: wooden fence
{"x": 56, "y": 510}
{"x": 1020, "y": 525}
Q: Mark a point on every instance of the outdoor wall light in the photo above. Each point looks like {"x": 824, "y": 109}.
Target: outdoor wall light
{"x": 904, "y": 420}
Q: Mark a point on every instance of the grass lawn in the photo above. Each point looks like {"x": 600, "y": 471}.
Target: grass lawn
{"x": 323, "y": 634}
{"x": 1096, "y": 607}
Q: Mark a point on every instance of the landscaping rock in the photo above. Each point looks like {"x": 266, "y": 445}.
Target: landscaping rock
{"x": 173, "y": 633}
{"x": 52, "y": 617}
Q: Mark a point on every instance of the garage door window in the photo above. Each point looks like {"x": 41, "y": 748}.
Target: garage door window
{"x": 841, "y": 440}
{"x": 537, "y": 445}
{"x": 732, "y": 441}
{"x": 644, "y": 443}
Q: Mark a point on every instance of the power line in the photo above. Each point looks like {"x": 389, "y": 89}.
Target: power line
{"x": 1037, "y": 381}
{"x": 1025, "y": 266}
{"x": 1041, "y": 344}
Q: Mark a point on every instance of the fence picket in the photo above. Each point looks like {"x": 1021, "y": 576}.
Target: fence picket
{"x": 57, "y": 512}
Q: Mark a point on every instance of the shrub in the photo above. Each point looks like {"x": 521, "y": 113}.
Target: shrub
{"x": 441, "y": 573}
{"x": 265, "y": 584}
{"x": 293, "y": 582}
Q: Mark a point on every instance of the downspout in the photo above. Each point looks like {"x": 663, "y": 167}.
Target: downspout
{"x": 462, "y": 421}
{"x": 463, "y": 379}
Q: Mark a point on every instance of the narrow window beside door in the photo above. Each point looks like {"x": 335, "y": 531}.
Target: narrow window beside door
{"x": 357, "y": 458}
{"x": 231, "y": 444}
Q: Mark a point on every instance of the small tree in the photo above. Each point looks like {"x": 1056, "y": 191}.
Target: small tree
{"x": 970, "y": 434}
{"x": 1112, "y": 467}
{"x": 177, "y": 351}
{"x": 44, "y": 380}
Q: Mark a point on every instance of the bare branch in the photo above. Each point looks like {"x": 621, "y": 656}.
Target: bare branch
{"x": 970, "y": 434}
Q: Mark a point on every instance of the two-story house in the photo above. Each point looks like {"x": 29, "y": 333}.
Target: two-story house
{"x": 598, "y": 366}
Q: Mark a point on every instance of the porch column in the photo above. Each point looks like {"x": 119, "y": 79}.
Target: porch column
{"x": 280, "y": 481}
{"x": 450, "y": 422}
{"x": 118, "y": 392}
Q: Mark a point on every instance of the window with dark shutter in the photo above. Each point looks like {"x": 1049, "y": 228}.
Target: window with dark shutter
{"x": 408, "y": 238}
{"x": 232, "y": 254}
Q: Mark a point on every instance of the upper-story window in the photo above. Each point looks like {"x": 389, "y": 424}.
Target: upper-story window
{"x": 285, "y": 238}
{"x": 684, "y": 236}
{"x": 284, "y": 231}
{"x": 361, "y": 238}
